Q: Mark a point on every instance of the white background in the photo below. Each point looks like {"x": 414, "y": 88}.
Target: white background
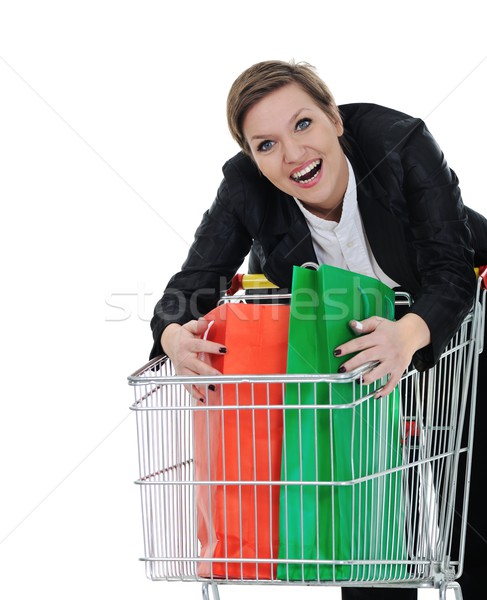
{"x": 112, "y": 135}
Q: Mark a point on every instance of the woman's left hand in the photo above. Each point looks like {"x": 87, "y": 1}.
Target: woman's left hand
{"x": 391, "y": 343}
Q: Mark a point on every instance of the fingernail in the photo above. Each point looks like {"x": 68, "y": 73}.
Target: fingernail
{"x": 202, "y": 400}
{"x": 342, "y": 370}
{"x": 357, "y": 325}
{"x": 222, "y": 350}
{"x": 211, "y": 387}
{"x": 337, "y": 352}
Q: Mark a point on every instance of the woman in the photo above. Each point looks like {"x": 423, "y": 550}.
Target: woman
{"x": 358, "y": 186}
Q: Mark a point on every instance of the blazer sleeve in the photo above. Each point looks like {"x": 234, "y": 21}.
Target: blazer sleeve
{"x": 220, "y": 245}
{"x": 440, "y": 238}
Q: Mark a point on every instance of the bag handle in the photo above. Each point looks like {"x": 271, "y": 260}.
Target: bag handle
{"x": 389, "y": 307}
{"x": 365, "y": 303}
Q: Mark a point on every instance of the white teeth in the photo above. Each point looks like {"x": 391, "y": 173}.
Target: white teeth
{"x": 311, "y": 178}
{"x": 302, "y": 173}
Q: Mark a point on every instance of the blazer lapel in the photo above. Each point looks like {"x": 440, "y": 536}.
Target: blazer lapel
{"x": 384, "y": 229}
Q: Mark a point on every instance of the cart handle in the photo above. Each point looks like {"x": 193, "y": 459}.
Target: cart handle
{"x": 254, "y": 281}
{"x": 481, "y": 273}
{"x": 249, "y": 281}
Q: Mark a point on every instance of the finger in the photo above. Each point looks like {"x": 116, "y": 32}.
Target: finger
{"x": 198, "y": 345}
{"x": 365, "y": 326}
{"x": 388, "y": 388}
{"x": 200, "y": 393}
{"x": 197, "y": 394}
{"x": 356, "y": 327}
{"x": 190, "y": 364}
{"x": 202, "y": 368}
{"x": 381, "y": 370}
{"x": 367, "y": 339}
{"x": 363, "y": 349}
{"x": 357, "y": 345}
{"x": 378, "y": 371}
{"x": 388, "y": 380}
{"x": 191, "y": 349}
{"x": 197, "y": 327}
{"x": 205, "y": 392}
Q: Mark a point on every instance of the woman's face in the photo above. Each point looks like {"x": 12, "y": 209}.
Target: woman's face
{"x": 295, "y": 145}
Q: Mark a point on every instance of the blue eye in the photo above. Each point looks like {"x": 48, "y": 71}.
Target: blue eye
{"x": 303, "y": 124}
{"x": 265, "y": 146}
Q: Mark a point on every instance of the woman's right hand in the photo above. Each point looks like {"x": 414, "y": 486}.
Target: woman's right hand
{"x": 184, "y": 345}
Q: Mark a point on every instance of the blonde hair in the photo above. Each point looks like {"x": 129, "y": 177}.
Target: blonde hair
{"x": 265, "y": 77}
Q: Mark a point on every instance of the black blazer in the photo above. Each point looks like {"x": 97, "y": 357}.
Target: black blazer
{"x": 420, "y": 232}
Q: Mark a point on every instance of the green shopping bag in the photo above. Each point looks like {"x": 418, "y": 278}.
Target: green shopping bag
{"x": 346, "y": 505}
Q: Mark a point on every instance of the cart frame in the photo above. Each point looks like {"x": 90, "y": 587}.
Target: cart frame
{"x": 437, "y": 424}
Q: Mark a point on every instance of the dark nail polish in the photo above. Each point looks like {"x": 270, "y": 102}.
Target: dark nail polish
{"x": 342, "y": 370}
{"x": 337, "y": 352}
{"x": 211, "y": 387}
{"x": 222, "y": 350}
{"x": 202, "y": 400}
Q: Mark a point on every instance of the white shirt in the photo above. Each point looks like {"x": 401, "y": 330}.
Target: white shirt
{"x": 344, "y": 244}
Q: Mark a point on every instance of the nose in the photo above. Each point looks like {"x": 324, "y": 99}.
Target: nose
{"x": 293, "y": 151}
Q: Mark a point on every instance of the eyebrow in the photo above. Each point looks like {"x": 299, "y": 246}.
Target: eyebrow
{"x": 268, "y": 135}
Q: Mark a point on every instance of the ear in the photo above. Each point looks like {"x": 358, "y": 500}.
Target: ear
{"x": 339, "y": 124}
{"x": 337, "y": 120}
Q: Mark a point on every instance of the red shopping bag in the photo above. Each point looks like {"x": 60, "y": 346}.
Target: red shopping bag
{"x": 239, "y": 521}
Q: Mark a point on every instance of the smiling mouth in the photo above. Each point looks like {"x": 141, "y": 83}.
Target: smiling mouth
{"x": 308, "y": 173}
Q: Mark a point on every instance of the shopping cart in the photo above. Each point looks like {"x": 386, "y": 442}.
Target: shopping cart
{"x": 405, "y": 493}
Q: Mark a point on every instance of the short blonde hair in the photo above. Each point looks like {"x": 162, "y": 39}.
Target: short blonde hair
{"x": 265, "y": 77}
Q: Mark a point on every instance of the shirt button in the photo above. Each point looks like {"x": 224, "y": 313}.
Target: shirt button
{"x": 350, "y": 244}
